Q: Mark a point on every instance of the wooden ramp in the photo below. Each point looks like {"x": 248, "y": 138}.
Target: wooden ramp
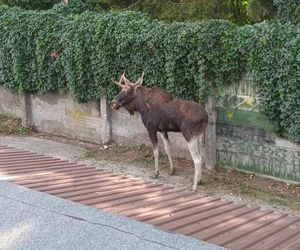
{"x": 210, "y": 219}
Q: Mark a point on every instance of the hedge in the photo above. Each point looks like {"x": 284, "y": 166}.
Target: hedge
{"x": 80, "y": 51}
{"x": 288, "y": 10}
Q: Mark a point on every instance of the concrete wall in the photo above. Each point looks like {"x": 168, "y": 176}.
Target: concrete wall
{"x": 54, "y": 113}
{"x": 60, "y": 114}
{"x": 258, "y": 151}
{"x": 11, "y": 103}
{"x": 243, "y": 138}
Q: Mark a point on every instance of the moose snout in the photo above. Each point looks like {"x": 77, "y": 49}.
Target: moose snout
{"x": 114, "y": 104}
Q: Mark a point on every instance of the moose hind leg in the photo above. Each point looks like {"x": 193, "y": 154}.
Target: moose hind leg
{"x": 194, "y": 150}
{"x": 165, "y": 138}
{"x": 201, "y": 141}
{"x": 153, "y": 138}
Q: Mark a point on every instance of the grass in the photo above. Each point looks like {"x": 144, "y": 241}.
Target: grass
{"x": 247, "y": 185}
{"x": 11, "y": 125}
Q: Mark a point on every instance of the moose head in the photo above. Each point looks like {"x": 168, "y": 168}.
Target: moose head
{"x": 127, "y": 93}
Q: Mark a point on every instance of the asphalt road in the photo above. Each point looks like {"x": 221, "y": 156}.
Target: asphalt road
{"x": 34, "y": 220}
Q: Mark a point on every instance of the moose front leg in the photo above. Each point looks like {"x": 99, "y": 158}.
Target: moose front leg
{"x": 153, "y": 138}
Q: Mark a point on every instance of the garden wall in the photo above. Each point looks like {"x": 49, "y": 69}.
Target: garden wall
{"x": 243, "y": 139}
{"x": 11, "y": 103}
{"x": 59, "y": 114}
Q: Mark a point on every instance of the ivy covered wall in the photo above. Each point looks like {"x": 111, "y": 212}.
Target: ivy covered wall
{"x": 78, "y": 51}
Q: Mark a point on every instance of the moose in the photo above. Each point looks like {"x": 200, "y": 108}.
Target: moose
{"x": 163, "y": 113}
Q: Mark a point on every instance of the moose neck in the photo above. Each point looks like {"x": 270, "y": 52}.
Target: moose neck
{"x": 140, "y": 101}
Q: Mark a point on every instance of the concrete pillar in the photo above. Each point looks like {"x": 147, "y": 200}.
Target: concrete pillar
{"x": 211, "y": 136}
{"x": 26, "y": 113}
{"x": 106, "y": 128}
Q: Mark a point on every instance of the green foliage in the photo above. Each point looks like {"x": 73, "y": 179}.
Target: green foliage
{"x": 238, "y": 11}
{"x": 275, "y": 68}
{"x": 180, "y": 10}
{"x": 288, "y": 10}
{"x": 187, "y": 10}
{"x": 31, "y": 4}
{"x": 27, "y": 40}
{"x": 73, "y": 7}
{"x": 70, "y": 49}
{"x": 259, "y": 10}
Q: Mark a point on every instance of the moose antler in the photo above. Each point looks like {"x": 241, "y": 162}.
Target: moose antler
{"x": 119, "y": 83}
{"x": 139, "y": 81}
{"x": 127, "y": 82}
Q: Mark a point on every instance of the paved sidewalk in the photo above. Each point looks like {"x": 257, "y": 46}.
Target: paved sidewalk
{"x": 34, "y": 220}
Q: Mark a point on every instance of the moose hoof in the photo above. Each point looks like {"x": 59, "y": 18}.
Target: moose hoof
{"x": 194, "y": 188}
{"x": 172, "y": 171}
{"x": 155, "y": 176}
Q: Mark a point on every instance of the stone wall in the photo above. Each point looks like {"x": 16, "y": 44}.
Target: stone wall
{"x": 245, "y": 137}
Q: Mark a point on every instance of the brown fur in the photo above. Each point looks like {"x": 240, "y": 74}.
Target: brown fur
{"x": 162, "y": 112}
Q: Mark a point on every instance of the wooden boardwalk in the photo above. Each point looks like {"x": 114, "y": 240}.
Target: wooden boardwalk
{"x": 210, "y": 219}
